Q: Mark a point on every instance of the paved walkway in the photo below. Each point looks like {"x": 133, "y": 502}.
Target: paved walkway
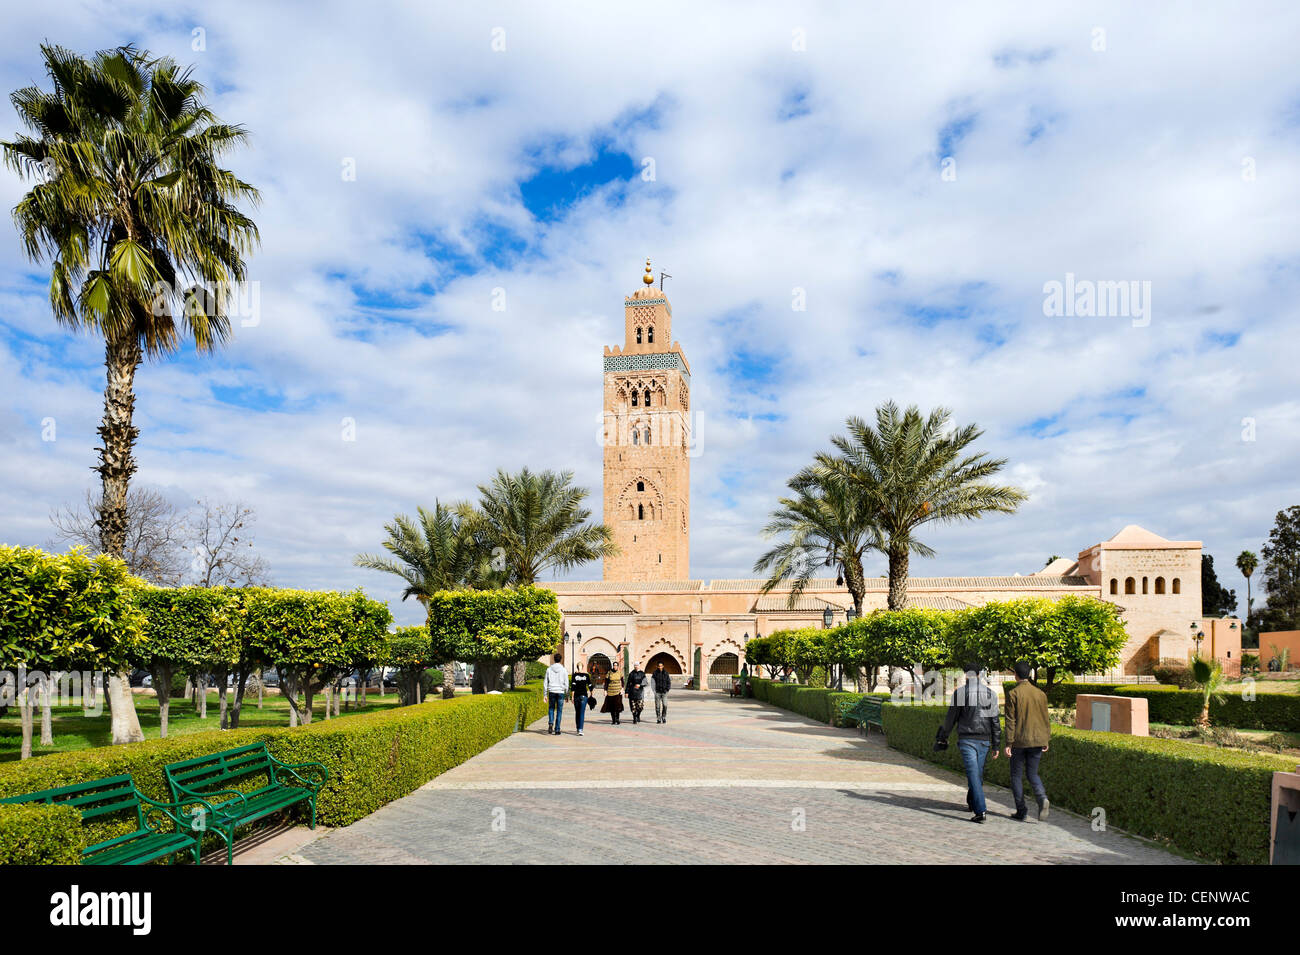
{"x": 725, "y": 781}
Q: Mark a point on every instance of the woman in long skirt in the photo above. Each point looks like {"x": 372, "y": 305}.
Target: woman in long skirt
{"x": 613, "y": 704}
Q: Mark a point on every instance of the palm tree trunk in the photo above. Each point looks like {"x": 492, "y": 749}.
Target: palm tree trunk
{"x": 898, "y": 557}
{"x": 118, "y": 433}
{"x": 857, "y": 585}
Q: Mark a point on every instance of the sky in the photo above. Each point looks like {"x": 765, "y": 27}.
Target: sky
{"x": 855, "y": 202}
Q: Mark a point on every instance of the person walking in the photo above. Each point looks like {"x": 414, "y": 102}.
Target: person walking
{"x": 1029, "y": 735}
{"x": 555, "y": 683}
{"x": 974, "y": 712}
{"x": 662, "y": 684}
{"x": 613, "y": 704}
{"x": 636, "y": 682}
{"x": 580, "y": 688}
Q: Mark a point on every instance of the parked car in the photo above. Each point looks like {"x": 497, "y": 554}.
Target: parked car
{"x": 270, "y": 678}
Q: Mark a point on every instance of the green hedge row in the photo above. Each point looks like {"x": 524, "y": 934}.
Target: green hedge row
{"x": 1279, "y": 712}
{"x": 372, "y": 758}
{"x": 810, "y": 701}
{"x": 1180, "y": 793}
{"x": 40, "y": 835}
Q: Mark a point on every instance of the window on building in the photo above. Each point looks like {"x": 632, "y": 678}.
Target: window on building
{"x": 650, "y": 334}
{"x": 640, "y": 485}
{"x": 640, "y": 512}
{"x": 638, "y": 334}
{"x": 1130, "y": 585}
{"x": 1144, "y": 585}
{"x": 647, "y": 397}
{"x": 647, "y": 435}
{"x": 636, "y": 436}
{"x": 636, "y": 396}
{"x": 1160, "y": 585}
{"x": 1114, "y": 585}
{"x": 1178, "y": 586}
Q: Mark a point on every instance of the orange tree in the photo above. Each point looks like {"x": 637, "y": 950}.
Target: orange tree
{"x": 493, "y": 628}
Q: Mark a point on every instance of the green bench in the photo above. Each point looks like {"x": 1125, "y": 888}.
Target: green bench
{"x": 208, "y": 784}
{"x": 865, "y": 711}
{"x": 103, "y": 797}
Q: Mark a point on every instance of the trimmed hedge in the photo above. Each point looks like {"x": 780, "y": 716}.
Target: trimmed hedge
{"x": 1175, "y": 792}
{"x": 1279, "y": 712}
{"x": 810, "y": 701}
{"x": 372, "y": 758}
{"x": 33, "y": 834}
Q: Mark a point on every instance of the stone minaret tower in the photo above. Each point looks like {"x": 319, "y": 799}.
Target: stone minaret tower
{"x": 646, "y": 437}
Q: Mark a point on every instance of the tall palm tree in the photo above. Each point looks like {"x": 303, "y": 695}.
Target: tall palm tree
{"x": 435, "y": 552}
{"x": 533, "y": 523}
{"x": 139, "y": 222}
{"x": 824, "y": 525}
{"x": 1247, "y": 562}
{"x": 911, "y": 470}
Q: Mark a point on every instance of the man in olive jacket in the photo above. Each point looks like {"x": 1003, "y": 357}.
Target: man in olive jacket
{"x": 1029, "y": 733}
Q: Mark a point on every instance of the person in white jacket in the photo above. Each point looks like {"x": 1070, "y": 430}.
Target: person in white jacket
{"x": 556, "y": 686}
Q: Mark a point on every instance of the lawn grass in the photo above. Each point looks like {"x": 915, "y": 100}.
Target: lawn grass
{"x": 1266, "y": 686}
{"x": 73, "y": 730}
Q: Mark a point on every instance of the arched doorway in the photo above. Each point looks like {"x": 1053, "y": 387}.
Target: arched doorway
{"x": 668, "y": 660}
{"x": 598, "y": 666}
{"x": 725, "y": 663}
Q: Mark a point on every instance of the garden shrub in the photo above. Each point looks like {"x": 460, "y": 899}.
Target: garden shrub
{"x": 816, "y": 703}
{"x": 372, "y": 758}
{"x": 40, "y": 835}
{"x": 1164, "y": 789}
{"x": 1279, "y": 712}
{"x": 1063, "y": 694}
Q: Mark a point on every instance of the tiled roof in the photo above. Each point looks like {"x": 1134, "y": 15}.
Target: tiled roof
{"x": 822, "y": 584}
{"x": 595, "y": 605}
{"x": 936, "y": 601}
{"x": 776, "y": 603}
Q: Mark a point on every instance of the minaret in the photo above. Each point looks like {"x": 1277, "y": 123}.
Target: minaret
{"x": 646, "y": 437}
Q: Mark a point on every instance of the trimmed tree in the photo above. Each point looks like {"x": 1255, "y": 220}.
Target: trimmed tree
{"x": 493, "y": 628}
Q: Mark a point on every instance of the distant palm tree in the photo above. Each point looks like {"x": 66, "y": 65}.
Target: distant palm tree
{"x": 435, "y": 552}
{"x": 909, "y": 471}
{"x": 139, "y": 222}
{"x": 1247, "y": 562}
{"x": 533, "y": 523}
{"x": 825, "y": 526}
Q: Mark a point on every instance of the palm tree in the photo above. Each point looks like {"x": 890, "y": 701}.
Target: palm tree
{"x": 533, "y": 523}
{"x": 911, "y": 470}
{"x": 139, "y": 223}
{"x": 825, "y": 526}
{"x": 436, "y": 552}
{"x": 1208, "y": 675}
{"x": 1247, "y": 561}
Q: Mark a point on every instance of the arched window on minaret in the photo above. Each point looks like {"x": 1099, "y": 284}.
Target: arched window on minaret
{"x": 640, "y": 485}
{"x": 636, "y": 396}
{"x": 636, "y": 436}
{"x": 647, "y": 397}
{"x": 1178, "y": 586}
{"x": 638, "y": 334}
{"x": 647, "y": 436}
{"x": 1160, "y": 585}
{"x": 650, "y": 335}
{"x": 640, "y": 512}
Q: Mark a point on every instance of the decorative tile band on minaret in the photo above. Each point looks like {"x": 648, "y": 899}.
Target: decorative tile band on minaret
{"x": 646, "y": 438}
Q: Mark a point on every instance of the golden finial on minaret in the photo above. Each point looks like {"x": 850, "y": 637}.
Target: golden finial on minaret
{"x": 648, "y": 278}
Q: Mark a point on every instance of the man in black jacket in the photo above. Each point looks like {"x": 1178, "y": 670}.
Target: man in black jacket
{"x": 662, "y": 684}
{"x": 974, "y": 711}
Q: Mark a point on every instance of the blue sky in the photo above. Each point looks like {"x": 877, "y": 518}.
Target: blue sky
{"x": 911, "y": 176}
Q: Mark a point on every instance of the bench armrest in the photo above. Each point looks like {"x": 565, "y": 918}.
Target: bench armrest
{"x": 175, "y": 811}
{"x": 312, "y": 768}
{"x": 205, "y": 798}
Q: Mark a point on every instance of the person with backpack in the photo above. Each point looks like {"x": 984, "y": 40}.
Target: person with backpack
{"x": 974, "y": 713}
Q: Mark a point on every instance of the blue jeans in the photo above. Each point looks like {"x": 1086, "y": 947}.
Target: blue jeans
{"x": 973, "y": 754}
{"x": 1027, "y": 758}
{"x": 554, "y": 708}
{"x": 580, "y": 710}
